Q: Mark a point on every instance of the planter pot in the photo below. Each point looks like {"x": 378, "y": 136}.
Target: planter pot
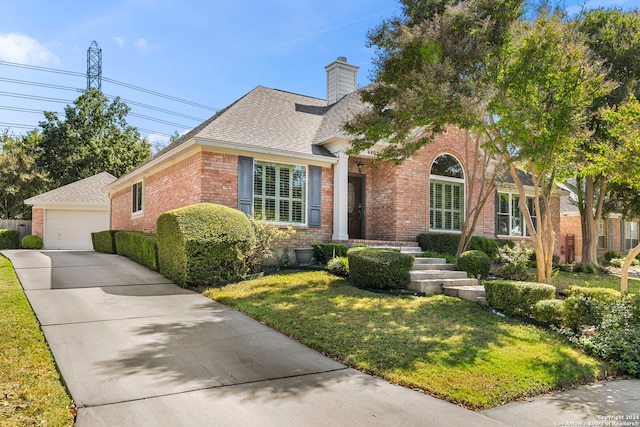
{"x": 304, "y": 255}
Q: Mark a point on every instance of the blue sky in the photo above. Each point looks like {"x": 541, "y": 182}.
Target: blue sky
{"x": 207, "y": 52}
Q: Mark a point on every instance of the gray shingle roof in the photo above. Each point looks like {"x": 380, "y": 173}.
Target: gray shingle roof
{"x": 88, "y": 190}
{"x": 337, "y": 115}
{"x": 269, "y": 118}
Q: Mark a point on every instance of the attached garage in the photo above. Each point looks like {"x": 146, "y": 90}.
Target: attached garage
{"x": 66, "y": 217}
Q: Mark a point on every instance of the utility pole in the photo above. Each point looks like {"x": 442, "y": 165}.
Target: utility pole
{"x": 94, "y": 66}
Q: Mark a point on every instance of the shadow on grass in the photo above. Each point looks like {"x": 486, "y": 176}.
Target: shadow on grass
{"x": 449, "y": 347}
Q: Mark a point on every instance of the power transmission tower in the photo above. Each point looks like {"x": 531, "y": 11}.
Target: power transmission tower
{"x": 94, "y": 66}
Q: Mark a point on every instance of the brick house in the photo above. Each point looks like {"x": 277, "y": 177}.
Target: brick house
{"x": 282, "y": 157}
{"x": 614, "y": 232}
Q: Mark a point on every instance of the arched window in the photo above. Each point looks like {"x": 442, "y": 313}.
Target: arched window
{"x": 446, "y": 211}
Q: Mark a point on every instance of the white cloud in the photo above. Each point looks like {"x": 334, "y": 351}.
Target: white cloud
{"x": 142, "y": 44}
{"x": 120, "y": 41}
{"x": 25, "y": 50}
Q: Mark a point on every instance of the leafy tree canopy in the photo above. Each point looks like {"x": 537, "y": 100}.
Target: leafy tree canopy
{"x": 19, "y": 178}
{"x": 93, "y": 137}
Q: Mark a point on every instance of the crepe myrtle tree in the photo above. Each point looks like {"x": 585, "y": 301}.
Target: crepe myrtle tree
{"x": 433, "y": 69}
{"x": 523, "y": 84}
{"x": 614, "y": 37}
{"x": 623, "y": 126}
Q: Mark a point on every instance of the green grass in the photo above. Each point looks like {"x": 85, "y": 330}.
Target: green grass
{"x": 450, "y": 348}
{"x": 565, "y": 279}
{"x": 30, "y": 389}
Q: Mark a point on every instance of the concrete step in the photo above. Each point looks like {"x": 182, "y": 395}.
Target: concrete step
{"x": 423, "y": 260}
{"x": 437, "y": 274}
{"x": 435, "y": 286}
{"x": 422, "y": 267}
{"x": 470, "y": 293}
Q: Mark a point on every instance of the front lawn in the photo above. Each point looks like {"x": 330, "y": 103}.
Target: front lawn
{"x": 30, "y": 389}
{"x": 452, "y": 349}
{"x": 564, "y": 279}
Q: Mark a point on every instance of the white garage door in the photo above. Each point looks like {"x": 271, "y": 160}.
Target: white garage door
{"x": 70, "y": 229}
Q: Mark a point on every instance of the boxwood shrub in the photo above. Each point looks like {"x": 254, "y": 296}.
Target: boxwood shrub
{"x": 9, "y": 239}
{"x": 323, "y": 252}
{"x": 439, "y": 242}
{"x": 516, "y": 298}
{"x": 204, "y": 243}
{"x": 379, "y": 268}
{"x": 31, "y": 242}
{"x": 549, "y": 311}
{"x": 585, "y": 307}
{"x": 104, "y": 241}
{"x": 139, "y": 247}
{"x": 476, "y": 263}
{"x": 339, "y": 266}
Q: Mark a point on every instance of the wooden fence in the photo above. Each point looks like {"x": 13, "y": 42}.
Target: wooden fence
{"x": 23, "y": 227}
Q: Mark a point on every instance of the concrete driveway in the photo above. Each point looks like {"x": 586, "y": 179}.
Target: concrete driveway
{"x": 136, "y": 350}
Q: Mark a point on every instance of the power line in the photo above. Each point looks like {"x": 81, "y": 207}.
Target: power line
{"x": 111, "y": 97}
{"x": 113, "y": 81}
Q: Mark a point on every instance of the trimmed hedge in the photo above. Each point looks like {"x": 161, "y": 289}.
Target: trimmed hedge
{"x": 445, "y": 243}
{"x": 516, "y": 298}
{"x": 379, "y": 268}
{"x": 550, "y": 311}
{"x": 204, "y": 243}
{"x": 104, "y": 241}
{"x": 9, "y": 239}
{"x": 139, "y": 247}
{"x": 475, "y": 263}
{"x": 323, "y": 252}
{"x": 439, "y": 242}
{"x": 31, "y": 242}
{"x": 585, "y": 307}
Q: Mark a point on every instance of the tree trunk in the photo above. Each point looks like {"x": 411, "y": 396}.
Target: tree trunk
{"x": 542, "y": 234}
{"x": 590, "y": 204}
{"x": 590, "y": 232}
{"x": 624, "y": 280}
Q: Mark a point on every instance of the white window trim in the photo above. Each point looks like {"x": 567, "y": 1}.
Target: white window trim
{"x": 443, "y": 178}
{"x": 525, "y": 234}
{"x": 627, "y": 233}
{"x": 138, "y": 213}
{"x": 305, "y": 208}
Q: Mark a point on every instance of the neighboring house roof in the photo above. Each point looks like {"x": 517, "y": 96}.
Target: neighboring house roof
{"x": 569, "y": 203}
{"x": 86, "y": 191}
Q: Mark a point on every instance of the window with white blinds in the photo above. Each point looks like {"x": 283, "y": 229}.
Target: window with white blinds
{"x": 446, "y": 211}
{"x": 279, "y": 192}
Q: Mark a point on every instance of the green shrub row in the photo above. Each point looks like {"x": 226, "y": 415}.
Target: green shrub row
{"x": 9, "y": 239}
{"x": 585, "y": 307}
{"x": 104, "y": 241}
{"x": 204, "y": 244}
{"x": 31, "y": 242}
{"x": 323, "y": 252}
{"x": 448, "y": 244}
{"x": 139, "y": 247}
{"x": 515, "y": 297}
{"x": 379, "y": 268}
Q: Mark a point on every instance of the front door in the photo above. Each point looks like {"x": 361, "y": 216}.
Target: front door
{"x": 355, "y": 207}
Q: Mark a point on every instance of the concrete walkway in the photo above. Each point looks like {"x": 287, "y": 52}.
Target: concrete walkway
{"x": 136, "y": 350}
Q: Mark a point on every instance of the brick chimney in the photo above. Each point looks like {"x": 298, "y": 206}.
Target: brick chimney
{"x": 341, "y": 79}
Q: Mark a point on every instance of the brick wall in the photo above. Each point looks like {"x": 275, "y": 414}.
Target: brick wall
{"x": 37, "y": 222}
{"x": 204, "y": 177}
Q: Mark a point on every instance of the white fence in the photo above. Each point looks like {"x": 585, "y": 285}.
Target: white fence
{"x": 23, "y": 227}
